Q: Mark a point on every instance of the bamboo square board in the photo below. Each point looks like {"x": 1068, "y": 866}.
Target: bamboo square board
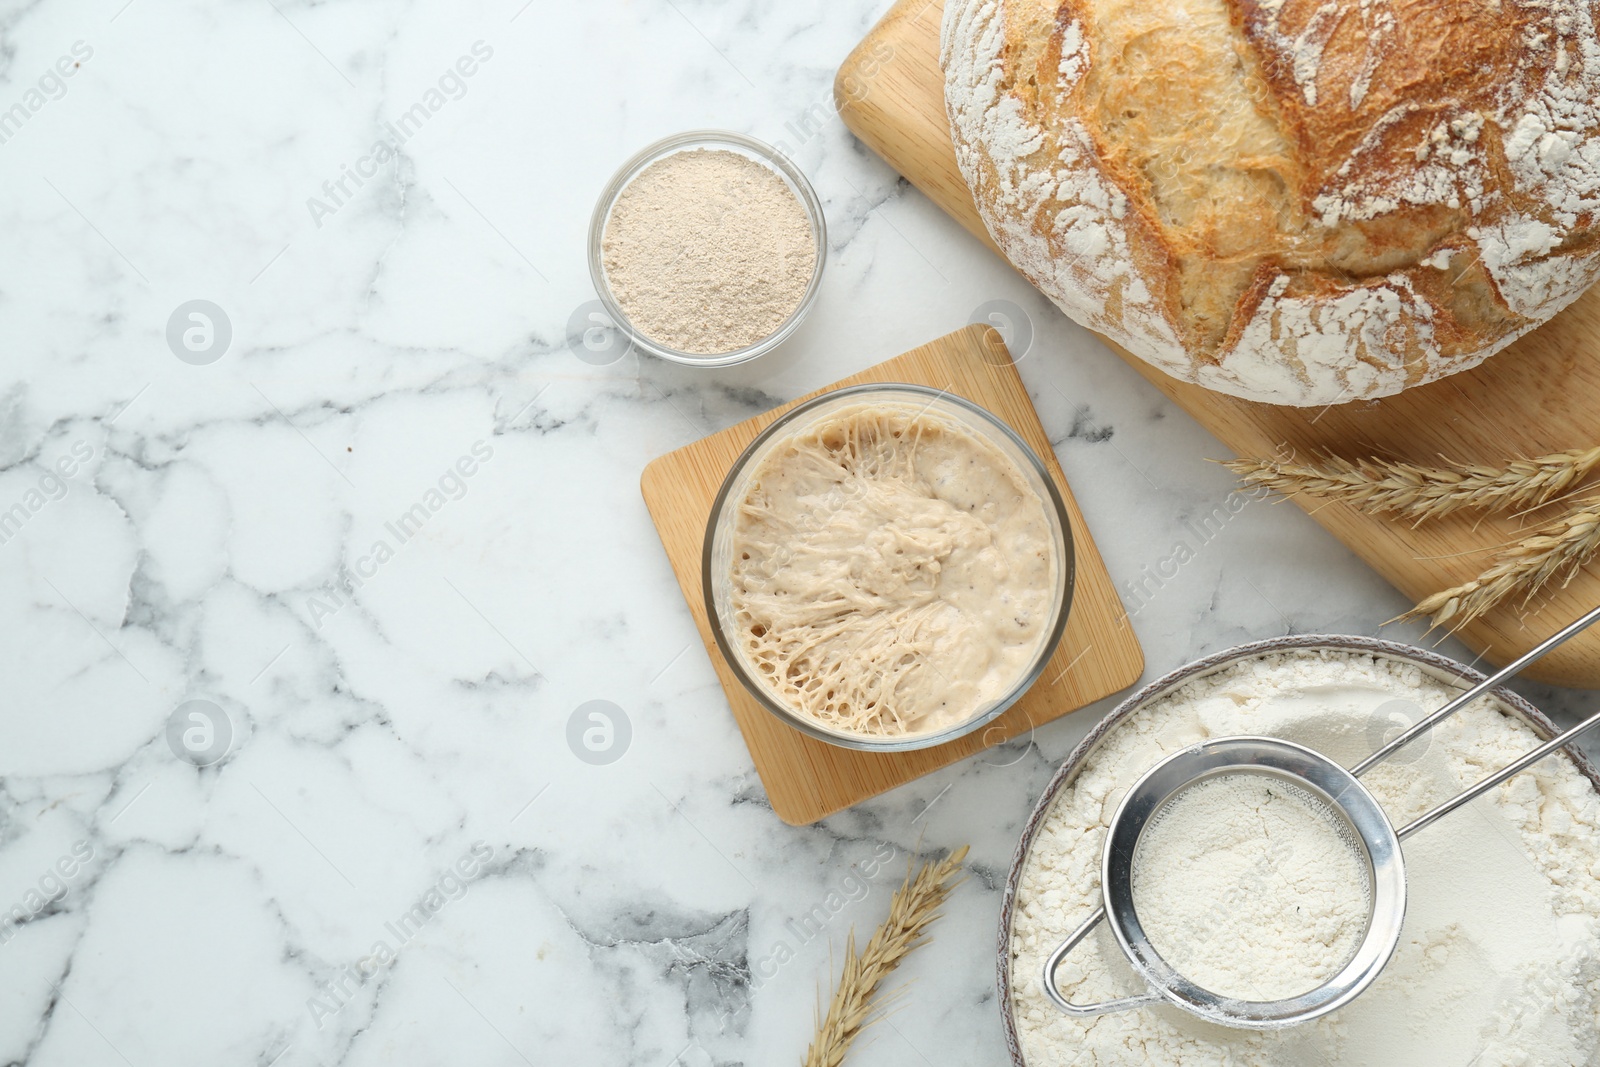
{"x": 1540, "y": 395}
{"x": 807, "y": 779}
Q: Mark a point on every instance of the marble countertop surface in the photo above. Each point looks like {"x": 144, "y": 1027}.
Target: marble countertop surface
{"x": 280, "y": 275}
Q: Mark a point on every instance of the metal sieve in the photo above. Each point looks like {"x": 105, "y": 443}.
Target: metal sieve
{"x": 1359, "y": 812}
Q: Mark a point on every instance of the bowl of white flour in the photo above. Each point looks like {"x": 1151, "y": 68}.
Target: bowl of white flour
{"x": 1499, "y": 958}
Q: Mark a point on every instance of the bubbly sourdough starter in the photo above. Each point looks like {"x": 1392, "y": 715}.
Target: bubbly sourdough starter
{"x": 1499, "y": 960}
{"x": 892, "y": 571}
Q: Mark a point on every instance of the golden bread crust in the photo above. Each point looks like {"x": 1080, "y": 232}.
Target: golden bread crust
{"x": 1293, "y": 201}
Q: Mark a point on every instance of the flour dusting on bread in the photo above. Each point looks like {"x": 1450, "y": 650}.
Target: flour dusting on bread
{"x": 1065, "y": 226}
{"x": 1293, "y": 201}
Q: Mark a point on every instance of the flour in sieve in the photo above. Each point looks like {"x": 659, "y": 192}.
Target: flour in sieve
{"x": 1499, "y": 961}
{"x": 708, "y": 251}
{"x": 1247, "y": 887}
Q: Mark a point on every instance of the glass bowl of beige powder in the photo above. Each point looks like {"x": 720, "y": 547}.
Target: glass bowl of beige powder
{"x": 888, "y": 567}
{"x": 707, "y": 248}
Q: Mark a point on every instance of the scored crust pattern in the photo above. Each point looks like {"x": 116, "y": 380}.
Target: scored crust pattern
{"x": 1292, "y": 201}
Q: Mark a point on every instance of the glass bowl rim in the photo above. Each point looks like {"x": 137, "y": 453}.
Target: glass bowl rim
{"x": 690, "y": 140}
{"x": 1055, "y": 505}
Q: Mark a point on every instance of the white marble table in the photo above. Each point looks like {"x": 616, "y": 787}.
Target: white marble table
{"x": 398, "y": 858}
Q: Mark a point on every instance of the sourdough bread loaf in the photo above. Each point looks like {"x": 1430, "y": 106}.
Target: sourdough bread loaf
{"x": 1299, "y": 202}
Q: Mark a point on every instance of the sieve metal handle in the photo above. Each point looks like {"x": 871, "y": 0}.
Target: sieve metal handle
{"x": 1104, "y": 1007}
{"x": 1499, "y": 776}
{"x": 1550, "y": 644}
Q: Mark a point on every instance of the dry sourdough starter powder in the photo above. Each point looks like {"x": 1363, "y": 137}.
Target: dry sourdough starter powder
{"x": 708, "y": 251}
{"x": 1499, "y": 960}
{"x": 1250, "y": 852}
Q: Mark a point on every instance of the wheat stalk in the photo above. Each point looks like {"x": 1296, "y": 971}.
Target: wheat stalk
{"x": 1558, "y": 550}
{"x": 915, "y": 905}
{"x": 1397, "y": 488}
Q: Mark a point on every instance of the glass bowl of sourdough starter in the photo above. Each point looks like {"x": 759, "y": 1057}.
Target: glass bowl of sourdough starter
{"x": 885, "y": 593}
{"x": 1053, "y": 883}
{"x": 748, "y": 148}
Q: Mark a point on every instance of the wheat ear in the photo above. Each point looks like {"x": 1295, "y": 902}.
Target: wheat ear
{"x": 1395, "y": 488}
{"x": 915, "y": 905}
{"x": 1558, "y": 550}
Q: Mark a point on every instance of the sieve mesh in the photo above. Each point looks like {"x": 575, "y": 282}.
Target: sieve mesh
{"x": 1251, "y": 886}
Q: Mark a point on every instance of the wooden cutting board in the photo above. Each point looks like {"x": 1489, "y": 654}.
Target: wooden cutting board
{"x": 1541, "y": 395}
{"x": 807, "y": 779}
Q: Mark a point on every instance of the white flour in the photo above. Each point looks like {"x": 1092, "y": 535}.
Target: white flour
{"x": 1500, "y": 955}
{"x": 1245, "y": 885}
